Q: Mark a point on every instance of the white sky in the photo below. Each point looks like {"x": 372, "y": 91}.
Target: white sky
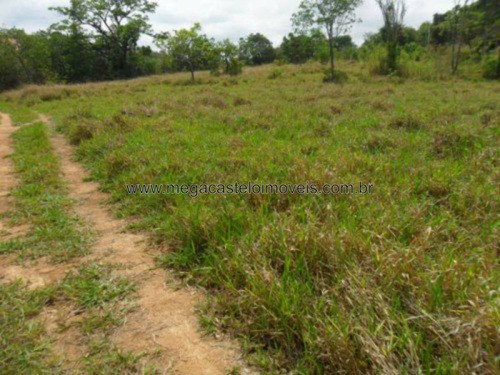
{"x": 222, "y": 18}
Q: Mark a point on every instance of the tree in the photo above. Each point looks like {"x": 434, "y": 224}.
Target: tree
{"x": 188, "y": 48}
{"x": 10, "y": 69}
{"x": 256, "y": 49}
{"x": 393, "y": 12}
{"x": 229, "y": 55}
{"x": 117, "y": 25}
{"x": 424, "y": 34}
{"x": 298, "y": 49}
{"x": 457, "y": 16}
{"x": 335, "y": 16}
{"x": 31, "y": 53}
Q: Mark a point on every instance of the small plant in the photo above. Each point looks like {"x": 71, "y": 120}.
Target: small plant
{"x": 235, "y": 67}
{"x": 81, "y": 131}
{"x": 276, "y": 73}
{"x": 491, "y": 68}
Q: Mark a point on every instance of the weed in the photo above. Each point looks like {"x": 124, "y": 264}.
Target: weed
{"x": 276, "y": 73}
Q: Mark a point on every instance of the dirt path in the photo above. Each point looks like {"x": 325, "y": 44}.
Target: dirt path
{"x": 8, "y": 180}
{"x": 165, "y": 320}
{"x": 35, "y": 274}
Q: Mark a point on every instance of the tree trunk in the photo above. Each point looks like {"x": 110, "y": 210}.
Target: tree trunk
{"x": 453, "y": 54}
{"x": 192, "y": 75}
{"x": 498, "y": 62}
{"x": 332, "y": 59}
{"x": 392, "y": 51}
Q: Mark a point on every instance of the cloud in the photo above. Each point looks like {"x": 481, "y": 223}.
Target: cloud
{"x": 222, "y": 18}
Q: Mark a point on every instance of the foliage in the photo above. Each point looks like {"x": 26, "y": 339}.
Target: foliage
{"x": 116, "y": 24}
{"x": 229, "y": 56}
{"x": 393, "y": 12}
{"x": 335, "y": 16}
{"x": 491, "y": 68}
{"x": 189, "y": 49}
{"x": 298, "y": 48}
{"x": 10, "y": 69}
{"x": 256, "y": 49}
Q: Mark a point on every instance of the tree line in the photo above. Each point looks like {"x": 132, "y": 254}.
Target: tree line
{"x": 98, "y": 40}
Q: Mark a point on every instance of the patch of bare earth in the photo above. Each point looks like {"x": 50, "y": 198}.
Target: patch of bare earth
{"x": 164, "y": 322}
{"x": 37, "y": 273}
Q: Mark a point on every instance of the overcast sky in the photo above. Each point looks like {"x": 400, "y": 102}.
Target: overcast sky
{"x": 222, "y": 18}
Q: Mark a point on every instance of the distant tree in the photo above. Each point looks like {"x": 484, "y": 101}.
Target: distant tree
{"x": 10, "y": 69}
{"x": 424, "y": 34}
{"x": 298, "y": 49}
{"x": 393, "y": 12}
{"x": 335, "y": 16}
{"x": 188, "y": 48}
{"x": 457, "y": 19}
{"x": 229, "y": 56}
{"x": 116, "y": 25}
{"x": 74, "y": 57}
{"x": 31, "y": 53}
{"x": 256, "y": 49}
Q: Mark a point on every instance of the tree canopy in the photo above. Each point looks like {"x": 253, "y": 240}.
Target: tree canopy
{"x": 116, "y": 25}
{"x": 189, "y": 48}
{"x": 256, "y": 49}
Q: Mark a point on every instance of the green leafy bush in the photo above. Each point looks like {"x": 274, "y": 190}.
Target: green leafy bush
{"x": 491, "y": 68}
{"x": 235, "y": 67}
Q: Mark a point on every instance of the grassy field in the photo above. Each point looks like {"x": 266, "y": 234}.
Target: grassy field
{"x": 404, "y": 280}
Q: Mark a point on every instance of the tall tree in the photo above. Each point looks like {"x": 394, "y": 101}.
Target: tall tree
{"x": 188, "y": 48}
{"x": 117, "y": 24}
{"x": 394, "y": 12}
{"x": 334, "y": 16}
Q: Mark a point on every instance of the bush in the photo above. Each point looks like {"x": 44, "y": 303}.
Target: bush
{"x": 491, "y": 68}
{"x": 276, "y": 73}
{"x": 235, "y": 67}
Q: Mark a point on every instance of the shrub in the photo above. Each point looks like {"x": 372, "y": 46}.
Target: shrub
{"x": 80, "y": 132}
{"x": 491, "y": 68}
{"x": 275, "y": 73}
{"x": 235, "y": 67}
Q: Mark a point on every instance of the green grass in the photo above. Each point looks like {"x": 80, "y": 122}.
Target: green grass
{"x": 100, "y": 296}
{"x": 25, "y": 347}
{"x": 42, "y": 203}
{"x": 101, "y": 299}
{"x": 404, "y": 280}
{"x": 20, "y": 114}
{"x": 94, "y": 286}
